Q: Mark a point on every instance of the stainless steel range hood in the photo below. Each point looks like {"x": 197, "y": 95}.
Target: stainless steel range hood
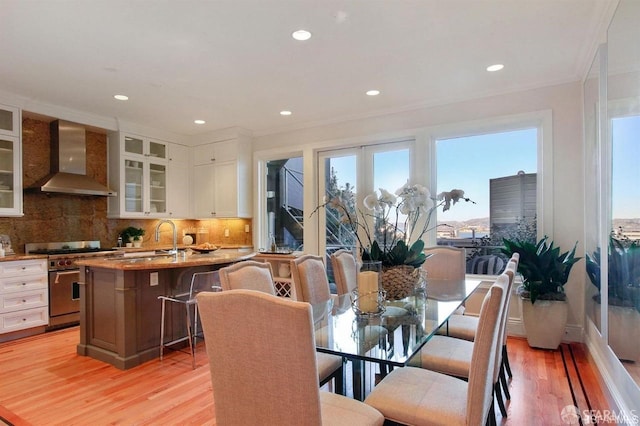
{"x": 69, "y": 163}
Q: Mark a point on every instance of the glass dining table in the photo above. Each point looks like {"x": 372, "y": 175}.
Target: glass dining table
{"x": 390, "y": 339}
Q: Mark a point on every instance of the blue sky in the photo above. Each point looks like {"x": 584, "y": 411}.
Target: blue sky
{"x": 625, "y": 192}
{"x": 469, "y": 163}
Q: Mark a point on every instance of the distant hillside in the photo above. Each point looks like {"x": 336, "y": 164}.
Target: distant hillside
{"x": 483, "y": 223}
{"x": 479, "y": 223}
{"x": 627, "y": 224}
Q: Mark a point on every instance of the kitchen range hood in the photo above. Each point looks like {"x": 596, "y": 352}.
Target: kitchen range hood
{"x": 69, "y": 163}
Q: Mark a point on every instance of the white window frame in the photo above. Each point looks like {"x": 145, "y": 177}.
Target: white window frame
{"x": 542, "y": 121}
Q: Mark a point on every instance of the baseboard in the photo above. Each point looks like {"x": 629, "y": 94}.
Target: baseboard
{"x": 572, "y": 333}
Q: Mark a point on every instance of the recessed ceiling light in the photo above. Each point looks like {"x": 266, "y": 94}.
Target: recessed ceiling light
{"x": 495, "y": 67}
{"x": 301, "y": 35}
{"x": 373, "y": 92}
{"x": 121, "y": 97}
{"x": 199, "y": 121}
{"x": 285, "y": 112}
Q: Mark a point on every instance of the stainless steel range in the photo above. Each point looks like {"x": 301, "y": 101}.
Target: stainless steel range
{"x": 64, "y": 290}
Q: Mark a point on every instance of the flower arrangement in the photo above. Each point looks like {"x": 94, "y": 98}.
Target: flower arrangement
{"x": 400, "y": 221}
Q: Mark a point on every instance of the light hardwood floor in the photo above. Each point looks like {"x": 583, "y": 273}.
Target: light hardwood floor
{"x": 44, "y": 382}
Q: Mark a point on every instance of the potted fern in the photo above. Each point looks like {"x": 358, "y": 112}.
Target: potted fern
{"x": 545, "y": 271}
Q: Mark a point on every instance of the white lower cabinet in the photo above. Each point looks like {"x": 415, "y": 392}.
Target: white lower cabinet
{"x": 24, "y": 295}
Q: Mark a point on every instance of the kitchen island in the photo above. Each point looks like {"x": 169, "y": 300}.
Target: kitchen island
{"x": 119, "y": 306}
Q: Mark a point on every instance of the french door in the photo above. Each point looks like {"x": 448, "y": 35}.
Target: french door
{"x": 349, "y": 175}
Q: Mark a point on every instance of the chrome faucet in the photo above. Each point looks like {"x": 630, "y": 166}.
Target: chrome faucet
{"x": 175, "y": 235}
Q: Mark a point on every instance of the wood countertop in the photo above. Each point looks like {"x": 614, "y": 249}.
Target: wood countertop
{"x": 11, "y": 257}
{"x": 221, "y": 256}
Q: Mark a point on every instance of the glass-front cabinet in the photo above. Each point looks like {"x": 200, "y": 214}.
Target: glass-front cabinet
{"x": 10, "y": 162}
{"x": 140, "y": 175}
{"x": 9, "y": 121}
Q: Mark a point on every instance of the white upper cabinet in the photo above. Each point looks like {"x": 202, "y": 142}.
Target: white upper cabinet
{"x": 215, "y": 152}
{"x": 222, "y": 179}
{"x": 10, "y": 162}
{"x": 138, "y": 167}
{"x": 179, "y": 183}
{"x": 9, "y": 121}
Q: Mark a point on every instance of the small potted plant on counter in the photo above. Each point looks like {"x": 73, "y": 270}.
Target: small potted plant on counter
{"x": 545, "y": 271}
{"x": 132, "y": 235}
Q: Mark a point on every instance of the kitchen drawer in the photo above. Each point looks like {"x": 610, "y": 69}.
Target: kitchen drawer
{"x": 23, "y": 267}
{"x": 23, "y": 300}
{"x": 21, "y": 320}
{"x": 22, "y": 283}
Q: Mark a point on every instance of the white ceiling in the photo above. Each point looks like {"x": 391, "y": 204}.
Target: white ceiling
{"x": 234, "y": 63}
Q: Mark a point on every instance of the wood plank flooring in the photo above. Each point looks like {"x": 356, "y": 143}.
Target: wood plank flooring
{"x": 44, "y": 382}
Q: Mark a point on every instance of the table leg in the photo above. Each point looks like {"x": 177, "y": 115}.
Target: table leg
{"x": 359, "y": 383}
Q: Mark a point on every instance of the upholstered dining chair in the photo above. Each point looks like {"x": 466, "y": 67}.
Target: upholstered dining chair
{"x": 345, "y": 271}
{"x": 452, "y": 356}
{"x": 415, "y": 396}
{"x": 464, "y": 326}
{"x": 247, "y": 392}
{"x": 310, "y": 280}
{"x": 447, "y": 263}
{"x": 252, "y": 275}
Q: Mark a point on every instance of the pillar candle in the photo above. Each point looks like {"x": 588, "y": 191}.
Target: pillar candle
{"x": 368, "y": 291}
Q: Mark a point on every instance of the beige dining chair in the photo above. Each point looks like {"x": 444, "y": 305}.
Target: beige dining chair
{"x": 446, "y": 263}
{"x": 465, "y": 326}
{"x": 252, "y": 275}
{"x": 310, "y": 279}
{"x": 242, "y": 326}
{"x": 452, "y": 356}
{"x": 416, "y": 396}
{"x": 345, "y": 271}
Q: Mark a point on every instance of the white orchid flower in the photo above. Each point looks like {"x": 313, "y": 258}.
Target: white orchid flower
{"x": 454, "y": 195}
{"x": 387, "y": 198}
{"x": 371, "y": 202}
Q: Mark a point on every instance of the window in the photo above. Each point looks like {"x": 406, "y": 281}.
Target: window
{"x": 498, "y": 171}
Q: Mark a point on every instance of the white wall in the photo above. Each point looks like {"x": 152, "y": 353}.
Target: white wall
{"x": 565, "y": 104}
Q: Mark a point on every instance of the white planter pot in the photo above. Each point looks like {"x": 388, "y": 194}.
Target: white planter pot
{"x": 544, "y": 322}
{"x": 624, "y": 331}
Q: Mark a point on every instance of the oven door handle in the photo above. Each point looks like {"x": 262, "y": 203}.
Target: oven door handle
{"x": 64, "y": 273}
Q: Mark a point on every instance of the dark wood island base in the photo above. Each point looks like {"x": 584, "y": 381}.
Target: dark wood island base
{"x": 119, "y": 307}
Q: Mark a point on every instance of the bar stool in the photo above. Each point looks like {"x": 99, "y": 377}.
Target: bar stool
{"x": 200, "y": 281}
